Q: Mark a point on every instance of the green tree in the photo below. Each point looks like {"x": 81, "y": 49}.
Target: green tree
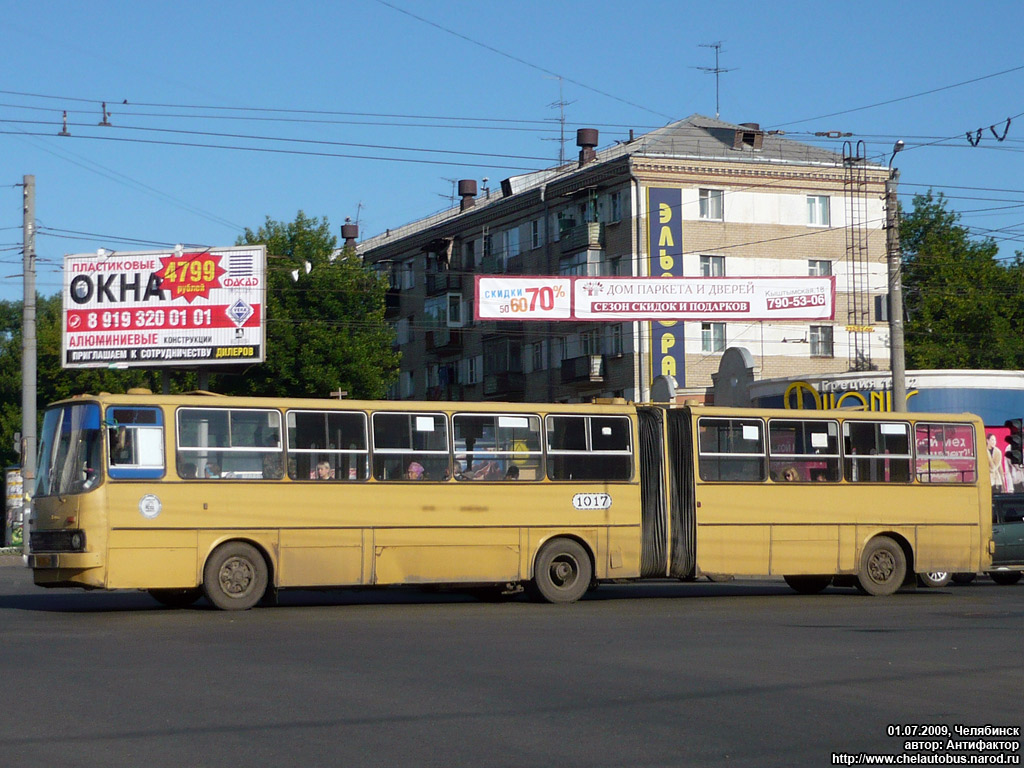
{"x": 963, "y": 305}
{"x": 325, "y": 326}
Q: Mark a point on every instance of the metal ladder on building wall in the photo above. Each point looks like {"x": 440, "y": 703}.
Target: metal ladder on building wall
{"x": 858, "y": 323}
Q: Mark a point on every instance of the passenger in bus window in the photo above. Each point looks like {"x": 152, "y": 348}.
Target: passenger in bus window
{"x": 323, "y": 471}
{"x": 488, "y": 470}
{"x": 790, "y": 475}
{"x": 512, "y": 473}
{"x": 188, "y": 470}
{"x": 212, "y": 470}
{"x": 414, "y": 471}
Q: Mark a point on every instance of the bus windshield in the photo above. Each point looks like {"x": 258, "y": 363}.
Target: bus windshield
{"x": 69, "y": 450}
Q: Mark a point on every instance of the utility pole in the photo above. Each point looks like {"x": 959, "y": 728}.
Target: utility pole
{"x": 28, "y": 349}
{"x": 897, "y": 358}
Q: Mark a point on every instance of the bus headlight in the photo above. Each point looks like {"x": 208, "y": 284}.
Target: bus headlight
{"x": 77, "y": 540}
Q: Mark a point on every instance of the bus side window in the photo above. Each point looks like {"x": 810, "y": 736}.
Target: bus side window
{"x": 404, "y": 439}
{"x": 876, "y": 452}
{"x": 803, "y": 450}
{"x": 589, "y": 447}
{"x": 731, "y": 450}
{"x": 327, "y": 445}
{"x": 135, "y": 439}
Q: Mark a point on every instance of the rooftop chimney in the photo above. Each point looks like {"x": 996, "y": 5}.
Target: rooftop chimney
{"x": 586, "y": 140}
{"x": 467, "y": 191}
{"x": 350, "y": 232}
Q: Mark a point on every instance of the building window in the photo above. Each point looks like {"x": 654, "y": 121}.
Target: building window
{"x": 561, "y": 346}
{"x": 590, "y": 343}
{"x": 819, "y": 268}
{"x": 511, "y": 244}
{"x": 536, "y": 233}
{"x": 882, "y": 308}
{"x": 712, "y": 266}
{"x": 473, "y": 366}
{"x": 581, "y": 264}
{"x": 817, "y": 211}
{"x": 406, "y": 276}
{"x": 454, "y": 310}
{"x": 712, "y": 337}
{"x": 469, "y": 256}
{"x": 615, "y": 340}
{"x": 616, "y": 206}
{"x": 406, "y": 386}
{"x": 537, "y": 356}
{"x": 402, "y": 331}
{"x": 821, "y": 341}
{"x": 711, "y": 206}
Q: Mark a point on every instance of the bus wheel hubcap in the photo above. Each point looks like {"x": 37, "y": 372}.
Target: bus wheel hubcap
{"x": 882, "y": 566}
{"x": 563, "y": 572}
{"x": 236, "y": 576}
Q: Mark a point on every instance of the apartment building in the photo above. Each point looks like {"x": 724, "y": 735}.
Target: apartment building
{"x": 750, "y": 204}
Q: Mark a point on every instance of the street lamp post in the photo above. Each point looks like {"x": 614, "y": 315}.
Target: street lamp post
{"x": 897, "y": 357}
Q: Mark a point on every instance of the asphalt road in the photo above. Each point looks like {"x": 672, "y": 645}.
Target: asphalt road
{"x": 658, "y": 674}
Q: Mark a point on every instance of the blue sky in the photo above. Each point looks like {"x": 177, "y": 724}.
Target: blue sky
{"x": 374, "y": 108}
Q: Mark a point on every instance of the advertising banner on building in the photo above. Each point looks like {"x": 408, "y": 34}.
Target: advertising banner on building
{"x": 665, "y": 259}
{"x": 184, "y": 307}
{"x": 662, "y": 299}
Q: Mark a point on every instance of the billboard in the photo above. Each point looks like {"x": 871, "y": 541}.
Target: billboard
{"x": 664, "y": 300}
{"x": 156, "y": 308}
{"x": 665, "y": 259}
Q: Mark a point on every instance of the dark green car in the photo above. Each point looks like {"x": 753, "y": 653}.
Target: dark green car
{"x": 1008, "y": 533}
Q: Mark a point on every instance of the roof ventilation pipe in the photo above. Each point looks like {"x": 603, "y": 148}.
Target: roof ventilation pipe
{"x": 586, "y": 140}
{"x": 350, "y": 232}
{"x": 467, "y": 191}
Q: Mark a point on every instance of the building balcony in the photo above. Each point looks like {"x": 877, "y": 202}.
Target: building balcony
{"x": 504, "y": 385}
{"x": 444, "y": 341}
{"x": 588, "y": 236}
{"x": 443, "y": 282}
{"x": 516, "y": 265}
{"x": 587, "y": 368}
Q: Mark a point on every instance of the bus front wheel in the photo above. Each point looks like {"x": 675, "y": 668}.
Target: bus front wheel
{"x": 562, "y": 572}
{"x": 883, "y": 567}
{"x": 235, "y": 577}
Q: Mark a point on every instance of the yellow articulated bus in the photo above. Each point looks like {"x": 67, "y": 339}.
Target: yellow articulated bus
{"x": 232, "y": 498}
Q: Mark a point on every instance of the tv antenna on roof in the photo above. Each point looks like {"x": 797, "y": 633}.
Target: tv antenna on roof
{"x": 715, "y": 70}
{"x": 561, "y": 104}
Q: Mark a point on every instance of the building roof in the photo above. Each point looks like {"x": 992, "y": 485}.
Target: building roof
{"x": 696, "y": 137}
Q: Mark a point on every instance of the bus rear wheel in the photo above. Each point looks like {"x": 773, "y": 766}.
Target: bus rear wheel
{"x": 176, "y": 598}
{"x": 808, "y": 585}
{"x": 235, "y": 577}
{"x": 883, "y": 567}
{"x": 562, "y": 572}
